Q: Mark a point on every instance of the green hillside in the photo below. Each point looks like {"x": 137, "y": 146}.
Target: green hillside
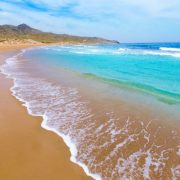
{"x": 23, "y": 31}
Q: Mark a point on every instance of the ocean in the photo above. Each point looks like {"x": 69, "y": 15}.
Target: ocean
{"x": 116, "y": 106}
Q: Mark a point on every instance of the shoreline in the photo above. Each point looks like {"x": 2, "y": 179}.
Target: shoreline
{"x": 142, "y": 121}
{"x": 57, "y": 158}
{"x": 66, "y": 139}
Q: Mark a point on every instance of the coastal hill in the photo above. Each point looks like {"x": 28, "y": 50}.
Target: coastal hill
{"x": 23, "y": 32}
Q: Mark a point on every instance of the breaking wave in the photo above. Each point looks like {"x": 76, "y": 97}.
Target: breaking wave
{"x": 170, "y": 49}
{"x": 88, "y": 50}
{"x": 108, "y": 149}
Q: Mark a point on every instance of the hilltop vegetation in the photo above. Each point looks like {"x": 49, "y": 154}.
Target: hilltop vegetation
{"x": 25, "y": 32}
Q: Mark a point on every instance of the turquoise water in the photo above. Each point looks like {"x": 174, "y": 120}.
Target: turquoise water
{"x": 151, "y": 68}
{"x": 109, "y": 137}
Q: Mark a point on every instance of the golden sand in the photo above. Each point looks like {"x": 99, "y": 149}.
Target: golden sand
{"x": 27, "y": 151}
{"x": 30, "y": 152}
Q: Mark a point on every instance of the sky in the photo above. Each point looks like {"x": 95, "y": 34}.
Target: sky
{"x": 122, "y": 20}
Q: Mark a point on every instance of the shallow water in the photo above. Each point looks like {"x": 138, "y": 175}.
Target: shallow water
{"x": 148, "y": 69}
{"x": 113, "y": 131}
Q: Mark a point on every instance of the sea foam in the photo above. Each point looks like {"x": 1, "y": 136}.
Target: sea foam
{"x": 170, "y": 49}
{"x": 102, "y": 149}
{"x": 96, "y": 50}
{"x": 35, "y": 108}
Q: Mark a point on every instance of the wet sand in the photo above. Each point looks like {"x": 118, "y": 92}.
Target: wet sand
{"x": 127, "y": 138}
{"x": 28, "y": 151}
{"x": 130, "y": 134}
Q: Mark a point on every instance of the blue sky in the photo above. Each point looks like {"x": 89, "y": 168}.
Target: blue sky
{"x": 123, "y": 20}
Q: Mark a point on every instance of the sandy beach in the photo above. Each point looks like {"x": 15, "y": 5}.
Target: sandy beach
{"x": 89, "y": 90}
{"x": 115, "y": 136}
{"x": 28, "y": 151}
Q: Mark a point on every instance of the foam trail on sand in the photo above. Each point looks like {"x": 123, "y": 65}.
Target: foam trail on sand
{"x": 18, "y": 82}
{"x": 107, "y": 145}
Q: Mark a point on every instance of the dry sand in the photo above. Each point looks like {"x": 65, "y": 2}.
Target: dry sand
{"x": 27, "y": 151}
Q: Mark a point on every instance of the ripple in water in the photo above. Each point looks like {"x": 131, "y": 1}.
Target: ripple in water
{"x": 108, "y": 149}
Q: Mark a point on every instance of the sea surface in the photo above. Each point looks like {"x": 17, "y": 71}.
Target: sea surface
{"x": 116, "y": 106}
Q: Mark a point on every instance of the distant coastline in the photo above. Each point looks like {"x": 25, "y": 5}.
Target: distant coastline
{"x": 24, "y": 34}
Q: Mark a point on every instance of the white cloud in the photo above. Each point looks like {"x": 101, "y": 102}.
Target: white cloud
{"x": 13, "y": 15}
{"x": 157, "y": 7}
{"x": 115, "y": 19}
{"x": 98, "y": 7}
{"x": 115, "y": 8}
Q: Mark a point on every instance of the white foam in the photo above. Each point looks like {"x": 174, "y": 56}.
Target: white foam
{"x": 148, "y": 163}
{"x": 90, "y": 50}
{"x": 170, "y": 49}
{"x": 64, "y": 114}
{"x": 178, "y": 151}
{"x": 175, "y": 172}
{"x": 18, "y": 83}
{"x": 72, "y": 148}
{"x": 122, "y": 49}
{"x": 160, "y": 53}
